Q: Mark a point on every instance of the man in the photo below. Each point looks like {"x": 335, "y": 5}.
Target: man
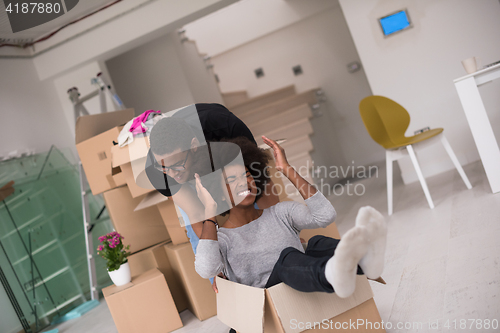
{"x": 178, "y": 149}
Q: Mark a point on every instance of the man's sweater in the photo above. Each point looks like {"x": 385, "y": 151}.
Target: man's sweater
{"x": 247, "y": 254}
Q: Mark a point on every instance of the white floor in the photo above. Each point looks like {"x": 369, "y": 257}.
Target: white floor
{"x": 441, "y": 264}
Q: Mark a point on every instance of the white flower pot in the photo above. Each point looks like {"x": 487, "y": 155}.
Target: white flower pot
{"x": 121, "y": 276}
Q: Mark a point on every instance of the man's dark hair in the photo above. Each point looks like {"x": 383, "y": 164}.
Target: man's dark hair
{"x": 169, "y": 134}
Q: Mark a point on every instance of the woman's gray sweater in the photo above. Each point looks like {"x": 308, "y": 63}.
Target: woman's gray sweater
{"x": 247, "y": 254}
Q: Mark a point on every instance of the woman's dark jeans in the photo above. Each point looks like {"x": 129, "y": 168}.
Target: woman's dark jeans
{"x": 306, "y": 271}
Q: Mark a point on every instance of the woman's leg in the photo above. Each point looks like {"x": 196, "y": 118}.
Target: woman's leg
{"x": 300, "y": 271}
{"x": 321, "y": 246}
{"x": 338, "y": 267}
{"x": 306, "y": 271}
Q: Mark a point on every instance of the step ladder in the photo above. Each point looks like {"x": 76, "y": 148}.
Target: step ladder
{"x": 103, "y": 90}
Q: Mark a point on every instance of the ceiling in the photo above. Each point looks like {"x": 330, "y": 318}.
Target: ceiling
{"x": 80, "y": 9}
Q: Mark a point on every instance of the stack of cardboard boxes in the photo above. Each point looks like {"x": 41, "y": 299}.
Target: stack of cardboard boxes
{"x": 164, "y": 281}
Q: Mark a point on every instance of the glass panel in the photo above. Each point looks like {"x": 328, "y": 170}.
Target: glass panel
{"x": 43, "y": 251}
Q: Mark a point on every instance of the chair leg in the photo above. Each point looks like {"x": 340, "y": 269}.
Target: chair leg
{"x": 388, "y": 162}
{"x": 420, "y": 175}
{"x": 455, "y": 161}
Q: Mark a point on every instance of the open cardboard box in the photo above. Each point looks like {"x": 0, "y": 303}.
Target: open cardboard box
{"x": 130, "y": 161}
{"x": 156, "y": 257}
{"x": 282, "y": 309}
{"x": 94, "y": 136}
{"x": 142, "y": 228}
{"x": 143, "y": 305}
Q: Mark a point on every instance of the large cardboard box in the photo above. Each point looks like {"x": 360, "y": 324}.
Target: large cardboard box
{"x": 282, "y": 309}
{"x": 156, "y": 257}
{"x": 94, "y": 136}
{"x": 169, "y": 214}
{"x": 143, "y": 305}
{"x": 130, "y": 161}
{"x": 201, "y": 297}
{"x": 151, "y": 199}
{"x": 142, "y": 228}
{"x": 178, "y": 234}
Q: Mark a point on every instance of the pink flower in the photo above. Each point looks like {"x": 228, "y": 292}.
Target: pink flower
{"x": 100, "y": 248}
{"x": 112, "y": 245}
{"x": 102, "y": 239}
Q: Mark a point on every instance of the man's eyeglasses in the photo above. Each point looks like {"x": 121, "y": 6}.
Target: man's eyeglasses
{"x": 177, "y": 167}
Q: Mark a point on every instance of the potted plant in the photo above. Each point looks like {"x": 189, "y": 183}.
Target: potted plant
{"x": 115, "y": 253}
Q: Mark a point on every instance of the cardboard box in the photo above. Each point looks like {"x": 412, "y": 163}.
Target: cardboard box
{"x": 118, "y": 176}
{"x": 143, "y": 305}
{"x": 142, "y": 228}
{"x": 169, "y": 214}
{"x": 94, "y": 136}
{"x": 152, "y": 199}
{"x": 330, "y": 231}
{"x": 201, "y": 297}
{"x": 131, "y": 161}
{"x": 178, "y": 235}
{"x": 156, "y": 257}
{"x": 285, "y": 310}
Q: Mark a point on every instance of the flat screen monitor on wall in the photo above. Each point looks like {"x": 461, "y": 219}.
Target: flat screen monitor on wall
{"x": 395, "y": 22}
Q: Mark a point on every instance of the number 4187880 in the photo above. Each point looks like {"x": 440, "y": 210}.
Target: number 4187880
{"x": 471, "y": 324}
{"x": 33, "y": 7}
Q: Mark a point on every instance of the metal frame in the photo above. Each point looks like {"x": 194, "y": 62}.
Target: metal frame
{"x": 79, "y": 109}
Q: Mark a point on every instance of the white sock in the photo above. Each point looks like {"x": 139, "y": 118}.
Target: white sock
{"x": 372, "y": 263}
{"x": 340, "y": 270}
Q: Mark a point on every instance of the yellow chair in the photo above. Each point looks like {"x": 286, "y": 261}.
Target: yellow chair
{"x": 387, "y": 122}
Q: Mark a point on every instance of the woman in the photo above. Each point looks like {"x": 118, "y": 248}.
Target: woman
{"x": 179, "y": 146}
{"x": 262, "y": 248}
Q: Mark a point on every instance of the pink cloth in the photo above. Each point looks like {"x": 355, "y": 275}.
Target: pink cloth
{"x": 138, "y": 123}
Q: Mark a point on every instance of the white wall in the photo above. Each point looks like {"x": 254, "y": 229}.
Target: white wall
{"x": 201, "y": 81}
{"x": 417, "y": 67}
{"x": 247, "y": 20}
{"x": 116, "y": 30}
{"x": 151, "y": 77}
{"x": 30, "y": 111}
{"x": 81, "y": 78}
{"x": 322, "y": 45}
{"x": 31, "y": 118}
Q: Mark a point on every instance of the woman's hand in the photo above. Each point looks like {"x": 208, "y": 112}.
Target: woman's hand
{"x": 214, "y": 285}
{"x": 206, "y": 198}
{"x": 279, "y": 154}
